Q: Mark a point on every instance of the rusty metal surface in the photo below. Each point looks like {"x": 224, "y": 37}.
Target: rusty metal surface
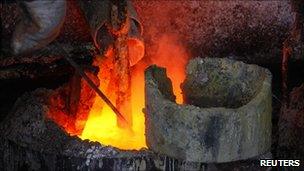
{"x": 251, "y": 31}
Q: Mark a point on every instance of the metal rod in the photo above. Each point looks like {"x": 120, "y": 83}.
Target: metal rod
{"x": 92, "y": 84}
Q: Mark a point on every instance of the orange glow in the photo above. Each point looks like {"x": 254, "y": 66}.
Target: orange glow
{"x": 172, "y": 56}
{"x": 101, "y": 124}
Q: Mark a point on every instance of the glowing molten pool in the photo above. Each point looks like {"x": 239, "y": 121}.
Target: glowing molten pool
{"x": 101, "y": 124}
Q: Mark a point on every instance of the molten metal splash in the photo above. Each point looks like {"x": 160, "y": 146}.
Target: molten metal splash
{"x": 102, "y": 122}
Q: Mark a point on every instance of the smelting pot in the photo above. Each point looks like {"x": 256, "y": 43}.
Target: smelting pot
{"x": 226, "y": 115}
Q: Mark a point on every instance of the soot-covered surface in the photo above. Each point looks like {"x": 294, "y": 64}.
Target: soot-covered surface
{"x": 31, "y": 141}
{"x": 27, "y": 128}
{"x": 251, "y": 31}
{"x": 204, "y": 132}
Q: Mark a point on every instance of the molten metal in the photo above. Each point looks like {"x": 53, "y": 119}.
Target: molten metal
{"x": 102, "y": 125}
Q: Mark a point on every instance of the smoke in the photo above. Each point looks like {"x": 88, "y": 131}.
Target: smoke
{"x": 172, "y": 55}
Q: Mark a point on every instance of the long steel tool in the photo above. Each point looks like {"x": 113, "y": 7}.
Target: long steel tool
{"x": 78, "y": 69}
